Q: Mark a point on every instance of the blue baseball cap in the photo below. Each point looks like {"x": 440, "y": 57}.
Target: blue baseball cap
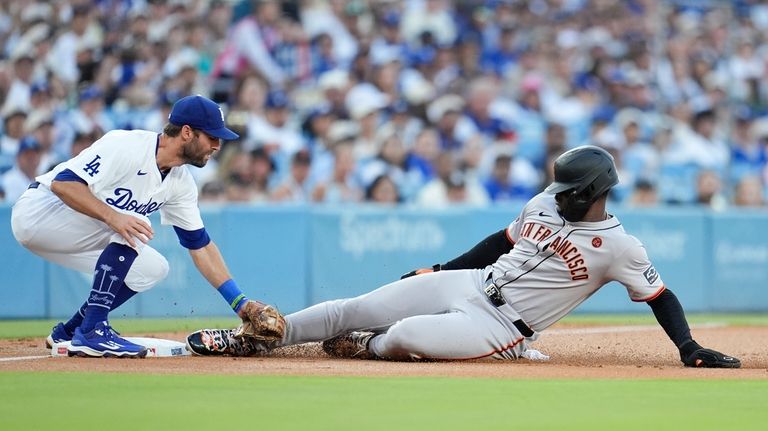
{"x": 91, "y": 92}
{"x": 277, "y": 99}
{"x": 201, "y": 113}
{"x": 28, "y": 143}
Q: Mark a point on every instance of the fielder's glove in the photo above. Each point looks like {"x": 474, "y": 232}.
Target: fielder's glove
{"x": 260, "y": 322}
{"x": 435, "y": 268}
{"x": 693, "y": 355}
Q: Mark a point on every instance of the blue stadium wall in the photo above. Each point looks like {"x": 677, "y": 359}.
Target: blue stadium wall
{"x": 294, "y": 256}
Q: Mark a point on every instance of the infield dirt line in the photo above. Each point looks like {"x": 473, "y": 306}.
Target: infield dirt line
{"x": 565, "y": 331}
{"x": 23, "y": 358}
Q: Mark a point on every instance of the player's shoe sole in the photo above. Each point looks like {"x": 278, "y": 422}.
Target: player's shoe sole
{"x": 87, "y": 352}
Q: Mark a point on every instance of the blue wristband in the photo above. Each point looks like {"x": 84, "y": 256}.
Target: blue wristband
{"x": 232, "y": 294}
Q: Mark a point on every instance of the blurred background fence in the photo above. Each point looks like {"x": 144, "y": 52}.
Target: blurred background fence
{"x": 297, "y": 256}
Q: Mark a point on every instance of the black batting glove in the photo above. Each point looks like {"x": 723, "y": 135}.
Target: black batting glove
{"x": 435, "y": 268}
{"x": 693, "y": 355}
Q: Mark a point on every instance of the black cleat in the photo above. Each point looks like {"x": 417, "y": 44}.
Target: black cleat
{"x": 353, "y": 345}
{"x": 221, "y": 342}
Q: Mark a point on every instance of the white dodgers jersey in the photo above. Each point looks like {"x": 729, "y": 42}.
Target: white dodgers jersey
{"x": 121, "y": 171}
{"x": 555, "y": 265}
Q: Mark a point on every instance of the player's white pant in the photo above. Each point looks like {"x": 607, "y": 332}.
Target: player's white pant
{"x": 441, "y": 315}
{"x": 46, "y": 226}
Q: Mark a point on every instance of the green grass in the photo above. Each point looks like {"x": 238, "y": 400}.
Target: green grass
{"x": 182, "y": 402}
{"x": 41, "y": 328}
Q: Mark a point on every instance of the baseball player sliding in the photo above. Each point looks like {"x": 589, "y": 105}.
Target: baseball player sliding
{"x": 91, "y": 214}
{"x": 495, "y": 299}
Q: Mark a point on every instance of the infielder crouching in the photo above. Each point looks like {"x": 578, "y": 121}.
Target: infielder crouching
{"x": 495, "y": 299}
{"x": 90, "y": 214}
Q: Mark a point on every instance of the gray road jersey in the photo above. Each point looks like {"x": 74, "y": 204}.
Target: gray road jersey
{"x": 555, "y": 265}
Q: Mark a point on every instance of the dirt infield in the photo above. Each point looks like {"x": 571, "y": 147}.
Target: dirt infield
{"x": 640, "y": 352}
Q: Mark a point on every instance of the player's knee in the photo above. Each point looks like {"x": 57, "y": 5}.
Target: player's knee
{"x": 402, "y": 341}
{"x": 161, "y": 269}
{"x": 148, "y": 275}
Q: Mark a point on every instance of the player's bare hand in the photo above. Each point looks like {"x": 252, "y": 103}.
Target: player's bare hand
{"x": 130, "y": 227}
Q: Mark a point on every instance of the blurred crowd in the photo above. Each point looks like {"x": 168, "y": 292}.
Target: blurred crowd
{"x": 423, "y": 102}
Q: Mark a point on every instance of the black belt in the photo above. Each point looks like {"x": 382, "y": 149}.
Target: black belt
{"x": 34, "y": 185}
{"x": 494, "y": 295}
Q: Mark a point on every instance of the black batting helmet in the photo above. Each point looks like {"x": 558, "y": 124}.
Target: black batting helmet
{"x": 582, "y": 175}
{"x": 588, "y": 171}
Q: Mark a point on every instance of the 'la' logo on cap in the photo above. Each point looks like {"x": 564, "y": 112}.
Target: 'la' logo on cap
{"x": 222, "y": 114}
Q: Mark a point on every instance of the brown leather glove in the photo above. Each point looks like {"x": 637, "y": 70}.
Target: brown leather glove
{"x": 260, "y": 322}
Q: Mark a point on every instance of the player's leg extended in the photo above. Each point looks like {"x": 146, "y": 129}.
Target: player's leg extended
{"x": 432, "y": 293}
{"x": 470, "y": 333}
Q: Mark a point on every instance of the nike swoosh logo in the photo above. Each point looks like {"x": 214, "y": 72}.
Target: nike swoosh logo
{"x": 141, "y": 173}
{"x": 542, "y": 214}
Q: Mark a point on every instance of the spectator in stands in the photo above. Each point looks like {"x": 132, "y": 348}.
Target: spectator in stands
{"x": 13, "y": 131}
{"x": 444, "y": 115}
{"x": 295, "y": 188}
{"x": 334, "y": 86}
{"x": 749, "y": 152}
{"x": 240, "y": 178}
{"x": 40, "y": 126}
{"x": 639, "y": 158}
{"x": 643, "y": 195}
{"x": 262, "y": 174}
{"x": 19, "y": 92}
{"x": 700, "y": 144}
{"x": 445, "y": 190}
{"x": 82, "y": 141}
{"x": 709, "y": 192}
{"x": 273, "y": 131}
{"x": 213, "y": 192}
{"x": 382, "y": 190}
{"x": 749, "y": 192}
{"x": 16, "y": 180}
{"x": 90, "y": 115}
{"x": 365, "y": 103}
{"x": 500, "y": 185}
{"x": 249, "y": 44}
{"x": 340, "y": 188}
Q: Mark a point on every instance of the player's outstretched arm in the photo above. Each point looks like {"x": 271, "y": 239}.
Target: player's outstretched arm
{"x": 481, "y": 255}
{"x": 210, "y": 263}
{"x": 260, "y": 321}
{"x": 670, "y": 315}
{"x": 78, "y": 196}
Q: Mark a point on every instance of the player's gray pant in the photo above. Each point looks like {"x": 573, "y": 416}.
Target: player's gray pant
{"x": 49, "y": 228}
{"x": 441, "y": 315}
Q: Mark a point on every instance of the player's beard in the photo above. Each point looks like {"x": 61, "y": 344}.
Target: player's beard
{"x": 194, "y": 154}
